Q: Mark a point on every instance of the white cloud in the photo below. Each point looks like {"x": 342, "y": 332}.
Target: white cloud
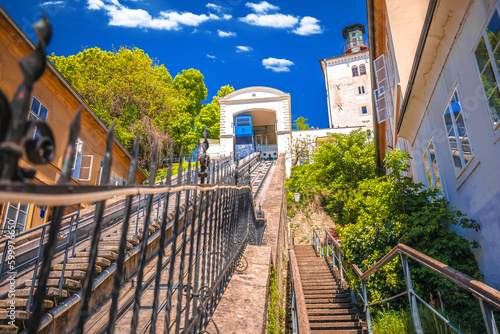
{"x": 187, "y": 18}
{"x": 277, "y": 65}
{"x": 52, "y": 3}
{"x": 95, "y": 4}
{"x": 242, "y": 48}
{"x": 308, "y": 26}
{"x": 226, "y": 33}
{"x": 271, "y": 20}
{"x": 210, "y": 56}
{"x": 262, "y": 7}
{"x": 167, "y": 20}
{"x": 226, "y": 17}
{"x": 213, "y": 6}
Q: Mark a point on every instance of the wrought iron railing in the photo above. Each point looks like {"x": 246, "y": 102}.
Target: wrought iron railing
{"x": 362, "y": 44}
{"x": 189, "y": 234}
{"x": 487, "y": 296}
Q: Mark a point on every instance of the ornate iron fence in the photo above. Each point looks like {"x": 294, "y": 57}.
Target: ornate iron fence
{"x": 172, "y": 246}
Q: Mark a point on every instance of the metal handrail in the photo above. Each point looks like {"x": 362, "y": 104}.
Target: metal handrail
{"x": 486, "y": 295}
{"x": 353, "y": 44}
{"x": 300, "y": 320}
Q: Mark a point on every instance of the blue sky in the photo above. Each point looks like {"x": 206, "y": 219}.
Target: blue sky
{"x": 236, "y": 42}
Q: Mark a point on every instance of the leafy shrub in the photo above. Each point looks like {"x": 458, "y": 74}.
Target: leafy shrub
{"x": 275, "y": 313}
{"x": 389, "y": 321}
{"x": 393, "y": 209}
{"x": 339, "y": 166}
{"x": 302, "y": 180}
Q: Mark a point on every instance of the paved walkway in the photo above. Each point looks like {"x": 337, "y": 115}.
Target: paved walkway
{"x": 243, "y": 306}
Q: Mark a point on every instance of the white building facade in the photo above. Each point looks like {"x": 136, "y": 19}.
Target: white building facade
{"x": 348, "y": 82}
{"x": 270, "y": 109}
{"x": 450, "y": 114}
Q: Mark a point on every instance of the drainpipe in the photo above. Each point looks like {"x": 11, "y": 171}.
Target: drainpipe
{"x": 328, "y": 94}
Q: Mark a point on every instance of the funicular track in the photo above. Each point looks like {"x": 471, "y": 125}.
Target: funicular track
{"x": 259, "y": 174}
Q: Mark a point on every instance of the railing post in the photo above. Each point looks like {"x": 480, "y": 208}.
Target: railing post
{"x": 367, "y": 309}
{"x": 76, "y": 229}
{"x": 341, "y": 266}
{"x": 413, "y": 300}
{"x": 489, "y": 319}
{"x": 35, "y": 271}
{"x": 137, "y": 217}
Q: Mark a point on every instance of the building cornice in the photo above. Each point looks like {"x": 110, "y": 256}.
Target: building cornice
{"x": 346, "y": 58}
{"x": 267, "y": 99}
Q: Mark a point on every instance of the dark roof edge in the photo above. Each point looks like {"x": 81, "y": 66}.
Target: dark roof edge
{"x": 356, "y": 25}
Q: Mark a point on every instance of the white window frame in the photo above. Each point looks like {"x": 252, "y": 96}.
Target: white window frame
{"x": 359, "y": 68}
{"x": 381, "y": 105}
{"x": 77, "y": 168}
{"x": 388, "y": 133}
{"x": 117, "y": 180}
{"x": 382, "y": 99}
{"x": 495, "y": 69}
{"x": 17, "y": 209}
{"x": 454, "y": 127}
{"x": 86, "y": 169}
{"x": 402, "y": 144}
{"x": 390, "y": 64}
{"x": 35, "y": 115}
{"x": 99, "y": 173}
{"x": 428, "y": 162}
{"x": 357, "y": 71}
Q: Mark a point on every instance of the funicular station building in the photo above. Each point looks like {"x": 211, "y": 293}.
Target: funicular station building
{"x": 255, "y": 119}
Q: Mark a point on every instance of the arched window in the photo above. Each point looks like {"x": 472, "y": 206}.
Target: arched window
{"x": 362, "y": 69}
{"x": 355, "y": 71}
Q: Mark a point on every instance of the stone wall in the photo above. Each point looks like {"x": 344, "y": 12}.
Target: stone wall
{"x": 276, "y": 233}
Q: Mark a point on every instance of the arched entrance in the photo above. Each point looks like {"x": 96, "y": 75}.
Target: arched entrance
{"x": 270, "y": 114}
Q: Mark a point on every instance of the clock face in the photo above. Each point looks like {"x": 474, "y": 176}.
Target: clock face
{"x": 353, "y": 34}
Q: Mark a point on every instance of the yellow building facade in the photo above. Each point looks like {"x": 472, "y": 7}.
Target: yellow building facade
{"x": 56, "y": 102}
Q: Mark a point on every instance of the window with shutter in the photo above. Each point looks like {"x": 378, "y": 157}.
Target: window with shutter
{"x": 381, "y": 105}
{"x": 382, "y": 98}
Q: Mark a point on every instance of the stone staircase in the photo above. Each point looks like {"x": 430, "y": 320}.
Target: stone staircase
{"x": 329, "y": 305}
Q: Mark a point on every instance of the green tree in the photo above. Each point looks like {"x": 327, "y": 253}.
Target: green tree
{"x": 340, "y": 164}
{"x": 209, "y": 116}
{"x": 126, "y": 86}
{"x": 300, "y": 149}
{"x": 300, "y": 124}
